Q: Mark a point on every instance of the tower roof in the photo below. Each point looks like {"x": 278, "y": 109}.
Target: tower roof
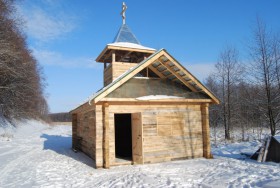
{"x": 126, "y": 39}
{"x": 125, "y": 35}
{"x": 125, "y": 44}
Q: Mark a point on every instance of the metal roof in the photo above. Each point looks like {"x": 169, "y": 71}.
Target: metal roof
{"x": 125, "y": 35}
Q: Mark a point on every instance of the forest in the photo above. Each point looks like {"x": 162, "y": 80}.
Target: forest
{"x": 21, "y": 77}
{"x": 249, "y": 90}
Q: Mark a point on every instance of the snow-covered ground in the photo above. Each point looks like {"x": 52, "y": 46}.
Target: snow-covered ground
{"x": 39, "y": 155}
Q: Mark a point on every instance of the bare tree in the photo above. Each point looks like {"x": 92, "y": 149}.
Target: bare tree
{"x": 265, "y": 71}
{"x": 215, "y": 111}
{"x": 228, "y": 74}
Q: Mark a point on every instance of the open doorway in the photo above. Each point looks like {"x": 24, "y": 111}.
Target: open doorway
{"x": 123, "y": 136}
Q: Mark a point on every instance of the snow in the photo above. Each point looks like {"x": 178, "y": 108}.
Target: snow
{"x": 40, "y": 155}
{"x": 275, "y": 184}
{"x": 130, "y": 45}
{"x": 158, "y": 97}
{"x": 277, "y": 137}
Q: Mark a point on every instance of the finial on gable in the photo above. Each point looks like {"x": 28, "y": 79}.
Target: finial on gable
{"x": 124, "y": 7}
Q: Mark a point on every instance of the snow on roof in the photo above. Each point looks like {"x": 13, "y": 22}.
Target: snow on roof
{"x": 277, "y": 137}
{"x": 157, "y": 97}
{"x": 130, "y": 45}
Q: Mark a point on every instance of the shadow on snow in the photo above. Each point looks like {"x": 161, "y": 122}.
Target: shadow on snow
{"x": 62, "y": 145}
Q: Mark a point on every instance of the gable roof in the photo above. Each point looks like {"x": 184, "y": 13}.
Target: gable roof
{"x": 165, "y": 66}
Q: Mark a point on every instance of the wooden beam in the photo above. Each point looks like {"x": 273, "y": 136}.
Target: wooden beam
{"x": 156, "y": 71}
{"x": 127, "y": 77}
{"x": 106, "y": 148}
{"x": 101, "y": 55}
{"x": 178, "y": 76}
{"x": 206, "y": 131}
{"x": 183, "y": 69}
{"x": 169, "y": 75}
{"x": 148, "y": 103}
{"x": 152, "y": 60}
{"x": 156, "y": 100}
{"x": 125, "y": 55}
{"x": 131, "y": 49}
{"x": 108, "y": 56}
{"x": 113, "y": 56}
{"x": 74, "y": 132}
{"x": 174, "y": 79}
{"x": 160, "y": 65}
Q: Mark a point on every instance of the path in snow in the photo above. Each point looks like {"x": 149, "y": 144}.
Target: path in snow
{"x": 40, "y": 156}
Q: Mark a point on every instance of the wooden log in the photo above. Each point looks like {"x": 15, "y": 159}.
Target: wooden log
{"x": 261, "y": 152}
{"x": 106, "y": 150}
{"x": 266, "y": 148}
{"x": 206, "y": 131}
{"x": 74, "y": 131}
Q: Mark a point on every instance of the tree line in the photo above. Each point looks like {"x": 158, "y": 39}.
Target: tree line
{"x": 249, "y": 92}
{"x": 60, "y": 117}
{"x": 21, "y": 78}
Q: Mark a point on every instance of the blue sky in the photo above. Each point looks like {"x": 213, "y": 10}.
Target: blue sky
{"x": 66, "y": 36}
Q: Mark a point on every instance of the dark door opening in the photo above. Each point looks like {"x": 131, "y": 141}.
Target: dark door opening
{"x": 123, "y": 136}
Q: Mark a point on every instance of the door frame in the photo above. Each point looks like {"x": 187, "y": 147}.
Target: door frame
{"x": 137, "y": 138}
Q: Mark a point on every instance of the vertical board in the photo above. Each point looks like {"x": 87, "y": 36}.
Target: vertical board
{"x": 137, "y": 138}
{"x": 74, "y": 131}
{"x": 206, "y": 131}
{"x": 106, "y": 149}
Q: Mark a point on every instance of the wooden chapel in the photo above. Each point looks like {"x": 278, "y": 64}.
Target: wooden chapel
{"x": 151, "y": 108}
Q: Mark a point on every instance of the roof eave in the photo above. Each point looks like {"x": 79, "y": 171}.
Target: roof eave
{"x": 145, "y": 50}
{"x": 111, "y": 47}
{"x": 101, "y": 54}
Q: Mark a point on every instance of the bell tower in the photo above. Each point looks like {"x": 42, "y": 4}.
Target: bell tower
{"x": 124, "y": 53}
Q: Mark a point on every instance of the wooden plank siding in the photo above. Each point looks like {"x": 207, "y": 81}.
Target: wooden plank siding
{"x": 118, "y": 68}
{"x": 74, "y": 132}
{"x": 108, "y": 75}
{"x": 169, "y": 131}
{"x": 114, "y": 70}
{"x": 84, "y": 130}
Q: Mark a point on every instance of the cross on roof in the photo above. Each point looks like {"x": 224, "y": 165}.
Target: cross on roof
{"x": 124, "y": 7}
